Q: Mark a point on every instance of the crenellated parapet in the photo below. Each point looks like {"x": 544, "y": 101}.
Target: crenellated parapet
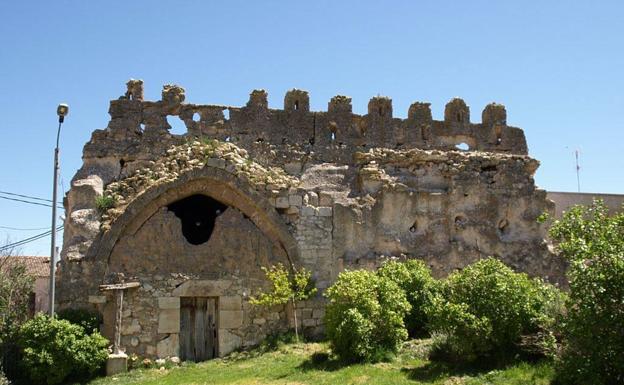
{"x": 332, "y": 135}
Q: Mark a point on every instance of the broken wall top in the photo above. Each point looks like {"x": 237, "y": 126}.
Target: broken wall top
{"x": 139, "y": 128}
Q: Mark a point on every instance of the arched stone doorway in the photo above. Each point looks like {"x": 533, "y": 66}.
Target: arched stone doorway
{"x": 195, "y": 285}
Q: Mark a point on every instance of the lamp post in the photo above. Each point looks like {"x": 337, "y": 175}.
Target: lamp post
{"x": 62, "y": 110}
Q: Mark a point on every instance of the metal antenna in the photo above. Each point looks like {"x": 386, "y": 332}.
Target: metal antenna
{"x": 578, "y": 169}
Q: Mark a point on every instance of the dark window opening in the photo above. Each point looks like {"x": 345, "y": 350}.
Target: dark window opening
{"x": 296, "y": 105}
{"x": 460, "y": 221}
{"x": 381, "y": 112}
{"x": 488, "y": 168}
{"x": 197, "y": 214}
{"x": 459, "y": 117}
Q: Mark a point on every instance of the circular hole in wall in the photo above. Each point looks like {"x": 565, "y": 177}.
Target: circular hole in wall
{"x": 460, "y": 221}
{"x": 196, "y": 117}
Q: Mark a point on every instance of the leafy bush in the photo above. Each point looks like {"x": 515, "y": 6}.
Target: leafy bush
{"x": 3, "y": 379}
{"x": 89, "y": 319}
{"x": 55, "y": 349}
{"x": 486, "y": 309}
{"x": 16, "y": 284}
{"x": 364, "y": 316}
{"x": 593, "y": 332}
{"x": 104, "y": 202}
{"x": 414, "y": 277}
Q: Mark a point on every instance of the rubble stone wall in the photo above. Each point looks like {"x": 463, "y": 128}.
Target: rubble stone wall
{"x": 327, "y": 191}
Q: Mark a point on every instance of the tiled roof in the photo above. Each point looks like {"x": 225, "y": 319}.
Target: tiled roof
{"x": 36, "y": 266}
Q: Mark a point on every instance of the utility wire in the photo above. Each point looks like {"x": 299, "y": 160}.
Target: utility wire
{"x": 28, "y": 240}
{"x": 22, "y": 229}
{"x": 32, "y": 203}
{"x": 26, "y": 196}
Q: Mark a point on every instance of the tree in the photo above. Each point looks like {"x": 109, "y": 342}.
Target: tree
{"x": 287, "y": 286}
{"x": 15, "y": 288}
{"x": 593, "y": 331}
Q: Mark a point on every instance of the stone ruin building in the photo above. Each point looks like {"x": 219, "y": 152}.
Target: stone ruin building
{"x": 183, "y": 224}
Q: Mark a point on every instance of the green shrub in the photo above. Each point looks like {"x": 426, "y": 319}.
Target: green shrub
{"x": 54, "y": 350}
{"x": 3, "y": 379}
{"x": 487, "y": 308}
{"x": 364, "y": 316}
{"x": 593, "y": 332}
{"x": 414, "y": 277}
{"x": 89, "y": 319}
{"x": 104, "y": 202}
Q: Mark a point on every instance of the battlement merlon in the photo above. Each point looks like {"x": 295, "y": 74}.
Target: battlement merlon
{"x": 296, "y": 125}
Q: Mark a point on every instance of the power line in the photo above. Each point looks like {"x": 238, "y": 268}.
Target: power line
{"x": 26, "y": 196}
{"x": 22, "y": 229}
{"x": 32, "y": 203}
{"x": 28, "y": 240}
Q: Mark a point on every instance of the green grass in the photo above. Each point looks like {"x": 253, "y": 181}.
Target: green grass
{"x": 298, "y": 364}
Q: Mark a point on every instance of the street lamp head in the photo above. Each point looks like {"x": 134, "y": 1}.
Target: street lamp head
{"x": 62, "y": 110}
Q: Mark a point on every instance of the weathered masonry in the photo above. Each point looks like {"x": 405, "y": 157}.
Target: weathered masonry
{"x": 193, "y": 218}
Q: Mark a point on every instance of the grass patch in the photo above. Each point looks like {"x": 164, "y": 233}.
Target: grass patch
{"x": 104, "y": 202}
{"x": 312, "y": 364}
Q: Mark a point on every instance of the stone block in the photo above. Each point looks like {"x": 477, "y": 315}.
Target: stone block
{"x": 318, "y": 313}
{"x": 116, "y": 363}
{"x": 295, "y": 200}
{"x": 325, "y": 211}
{"x": 202, "y": 288}
{"x": 169, "y": 346}
{"x": 309, "y": 322}
{"x": 133, "y": 328}
{"x": 325, "y": 199}
{"x": 274, "y": 316}
{"x": 308, "y": 211}
{"x": 228, "y": 342}
{"x": 306, "y": 313}
{"x": 169, "y": 303}
{"x": 97, "y": 299}
{"x": 234, "y": 302}
{"x": 215, "y": 162}
{"x": 169, "y": 321}
{"x": 229, "y": 319}
{"x": 282, "y": 202}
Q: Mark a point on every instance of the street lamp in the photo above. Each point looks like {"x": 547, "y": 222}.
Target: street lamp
{"x": 62, "y": 110}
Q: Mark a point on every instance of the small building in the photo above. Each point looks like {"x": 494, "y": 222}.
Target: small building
{"x": 39, "y": 268}
{"x": 166, "y": 234}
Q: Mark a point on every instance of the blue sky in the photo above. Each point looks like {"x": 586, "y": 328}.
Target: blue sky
{"x": 558, "y": 66}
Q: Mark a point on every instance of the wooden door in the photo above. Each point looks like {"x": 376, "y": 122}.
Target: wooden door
{"x": 198, "y": 328}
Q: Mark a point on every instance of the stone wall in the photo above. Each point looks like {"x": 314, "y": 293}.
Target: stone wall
{"x": 321, "y": 190}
